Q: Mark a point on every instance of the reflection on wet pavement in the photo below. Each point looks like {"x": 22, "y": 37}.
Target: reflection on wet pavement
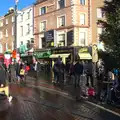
{"x": 34, "y": 104}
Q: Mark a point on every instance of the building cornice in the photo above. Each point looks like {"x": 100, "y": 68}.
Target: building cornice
{"x": 39, "y": 2}
{"x": 62, "y": 28}
{"x": 53, "y": 11}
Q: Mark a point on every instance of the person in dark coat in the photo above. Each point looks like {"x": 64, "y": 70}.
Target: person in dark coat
{"x": 78, "y": 69}
{"x": 89, "y": 73}
{"x": 17, "y": 68}
{"x": 2, "y": 75}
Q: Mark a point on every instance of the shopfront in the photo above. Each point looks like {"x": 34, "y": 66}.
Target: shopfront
{"x": 66, "y": 53}
{"x": 43, "y": 56}
{"x": 84, "y": 53}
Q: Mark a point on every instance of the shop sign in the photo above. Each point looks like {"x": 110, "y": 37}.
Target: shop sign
{"x": 62, "y": 50}
{"x": 70, "y": 37}
{"x": 49, "y": 36}
{"x": 83, "y": 50}
{"x": 45, "y": 54}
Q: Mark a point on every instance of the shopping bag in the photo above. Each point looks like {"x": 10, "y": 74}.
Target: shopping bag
{"x": 22, "y": 72}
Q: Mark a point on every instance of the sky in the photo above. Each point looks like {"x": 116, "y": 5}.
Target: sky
{"x": 6, "y": 4}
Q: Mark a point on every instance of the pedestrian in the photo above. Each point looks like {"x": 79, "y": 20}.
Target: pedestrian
{"x": 56, "y": 72}
{"x": 78, "y": 69}
{"x": 72, "y": 72}
{"x": 2, "y": 76}
{"x": 12, "y": 74}
{"x": 89, "y": 73}
{"x": 17, "y": 68}
{"x": 37, "y": 69}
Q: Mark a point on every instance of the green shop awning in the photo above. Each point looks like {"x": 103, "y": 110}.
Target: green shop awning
{"x": 40, "y": 55}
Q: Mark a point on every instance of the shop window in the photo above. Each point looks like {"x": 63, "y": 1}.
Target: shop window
{"x": 61, "y": 4}
{"x": 61, "y": 21}
{"x": 42, "y": 10}
{"x": 82, "y": 2}
{"x": 61, "y": 40}
{"x": 43, "y": 26}
{"x": 82, "y": 19}
{"x": 82, "y": 39}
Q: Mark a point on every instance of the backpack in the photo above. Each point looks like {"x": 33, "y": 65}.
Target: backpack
{"x": 22, "y": 72}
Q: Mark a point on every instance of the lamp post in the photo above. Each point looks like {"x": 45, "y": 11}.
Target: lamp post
{"x": 15, "y": 26}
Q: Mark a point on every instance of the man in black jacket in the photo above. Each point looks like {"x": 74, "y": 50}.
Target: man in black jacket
{"x": 78, "y": 69}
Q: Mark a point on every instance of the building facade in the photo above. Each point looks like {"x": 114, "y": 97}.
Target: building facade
{"x": 62, "y": 23}
{"x": 7, "y": 31}
{"x": 25, "y": 26}
{"x": 97, "y": 14}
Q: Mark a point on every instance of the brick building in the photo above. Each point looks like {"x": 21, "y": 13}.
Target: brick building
{"x": 7, "y": 31}
{"x": 67, "y": 20}
{"x": 97, "y": 14}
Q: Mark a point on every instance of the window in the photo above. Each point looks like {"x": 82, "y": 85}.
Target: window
{"x": 12, "y": 30}
{"x": 1, "y": 35}
{"x": 82, "y": 39}
{"x": 42, "y": 10}
{"x": 99, "y": 31}
{"x": 1, "y": 23}
{"x": 61, "y": 21}
{"x": 99, "y": 13}
{"x": 21, "y": 30}
{"x": 43, "y": 26}
{"x": 28, "y": 15}
{"x": 1, "y": 49}
{"x": 61, "y": 40}
{"x": 6, "y": 46}
{"x": 82, "y": 19}
{"x": 21, "y": 18}
{"x": 6, "y": 21}
{"x": 6, "y": 33}
{"x": 28, "y": 28}
{"x": 12, "y": 45}
{"x": 13, "y": 18}
{"x": 61, "y": 4}
{"x": 82, "y": 2}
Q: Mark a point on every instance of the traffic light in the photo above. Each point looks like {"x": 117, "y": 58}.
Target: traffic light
{"x": 14, "y": 54}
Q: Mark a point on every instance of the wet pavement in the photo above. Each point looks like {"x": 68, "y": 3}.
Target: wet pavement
{"x": 30, "y": 102}
{"x": 35, "y": 104}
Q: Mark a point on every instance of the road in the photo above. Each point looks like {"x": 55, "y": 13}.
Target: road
{"x": 32, "y": 103}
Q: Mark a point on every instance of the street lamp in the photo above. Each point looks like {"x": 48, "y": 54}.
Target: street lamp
{"x": 15, "y": 26}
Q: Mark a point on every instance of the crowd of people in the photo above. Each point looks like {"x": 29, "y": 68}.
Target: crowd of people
{"x": 104, "y": 85}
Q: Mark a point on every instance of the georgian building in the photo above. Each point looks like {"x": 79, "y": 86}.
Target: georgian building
{"x": 25, "y": 26}
{"x": 7, "y": 31}
{"x": 62, "y": 23}
{"x": 96, "y": 14}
